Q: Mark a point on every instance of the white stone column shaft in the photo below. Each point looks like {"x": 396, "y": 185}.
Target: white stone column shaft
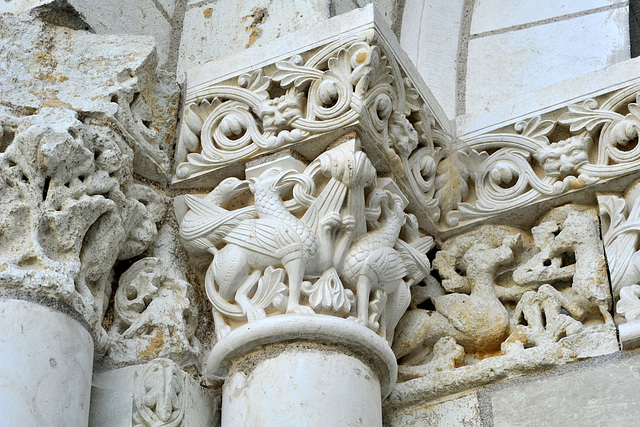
{"x": 302, "y": 386}
{"x": 46, "y": 361}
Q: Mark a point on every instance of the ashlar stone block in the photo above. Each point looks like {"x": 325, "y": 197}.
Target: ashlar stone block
{"x": 503, "y": 66}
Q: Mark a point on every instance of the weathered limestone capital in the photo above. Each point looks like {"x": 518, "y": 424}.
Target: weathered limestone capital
{"x": 81, "y": 179}
{"x": 76, "y": 167}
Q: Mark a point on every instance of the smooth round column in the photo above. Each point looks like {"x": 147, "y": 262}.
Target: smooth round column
{"x": 292, "y": 370}
{"x": 46, "y": 361}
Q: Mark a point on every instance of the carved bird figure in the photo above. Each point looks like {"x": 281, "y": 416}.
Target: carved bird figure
{"x": 371, "y": 263}
{"x": 207, "y": 222}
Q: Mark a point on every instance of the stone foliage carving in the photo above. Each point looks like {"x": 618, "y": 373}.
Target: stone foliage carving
{"x": 511, "y": 294}
{"x": 620, "y": 227}
{"x": 71, "y": 208}
{"x": 155, "y": 315}
{"x": 539, "y": 158}
{"x": 159, "y": 397}
{"x": 329, "y": 238}
{"x": 350, "y": 81}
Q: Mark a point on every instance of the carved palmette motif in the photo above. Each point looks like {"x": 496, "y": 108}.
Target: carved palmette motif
{"x": 332, "y": 247}
{"x": 159, "y": 398}
{"x": 504, "y": 290}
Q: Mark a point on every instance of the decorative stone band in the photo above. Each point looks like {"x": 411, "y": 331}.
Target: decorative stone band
{"x": 306, "y": 89}
{"x": 583, "y": 147}
{"x": 320, "y": 329}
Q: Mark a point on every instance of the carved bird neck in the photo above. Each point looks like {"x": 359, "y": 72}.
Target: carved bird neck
{"x": 385, "y": 234}
{"x": 269, "y": 205}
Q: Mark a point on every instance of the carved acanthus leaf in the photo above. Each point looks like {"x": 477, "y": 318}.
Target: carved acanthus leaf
{"x": 629, "y": 304}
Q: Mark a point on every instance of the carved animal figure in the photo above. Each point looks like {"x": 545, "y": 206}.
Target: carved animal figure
{"x": 570, "y": 252}
{"x": 477, "y": 320}
{"x": 371, "y": 263}
{"x": 580, "y": 234}
{"x": 563, "y": 158}
{"x": 207, "y": 222}
{"x": 276, "y": 237}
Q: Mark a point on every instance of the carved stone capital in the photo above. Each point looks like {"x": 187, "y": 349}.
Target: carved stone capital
{"x": 76, "y": 167}
{"x": 313, "y": 136}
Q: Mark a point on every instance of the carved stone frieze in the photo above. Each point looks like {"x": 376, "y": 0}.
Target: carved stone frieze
{"x": 508, "y": 299}
{"x": 353, "y": 82}
{"x": 304, "y": 99}
{"x": 577, "y": 147}
{"x": 358, "y": 81}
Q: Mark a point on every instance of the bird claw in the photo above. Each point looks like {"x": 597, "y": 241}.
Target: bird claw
{"x": 333, "y": 220}
{"x": 349, "y": 223}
